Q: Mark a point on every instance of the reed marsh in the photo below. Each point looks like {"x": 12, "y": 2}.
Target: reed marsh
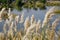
{"x": 33, "y": 30}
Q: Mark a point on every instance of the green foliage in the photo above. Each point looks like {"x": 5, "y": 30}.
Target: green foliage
{"x": 3, "y": 1}
{"x": 35, "y": 4}
{"x": 19, "y": 4}
{"x": 53, "y": 3}
{"x": 43, "y": 1}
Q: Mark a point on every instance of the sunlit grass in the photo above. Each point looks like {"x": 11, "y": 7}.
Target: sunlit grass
{"x": 33, "y": 30}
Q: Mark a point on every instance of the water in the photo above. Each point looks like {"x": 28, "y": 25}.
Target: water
{"x": 38, "y": 14}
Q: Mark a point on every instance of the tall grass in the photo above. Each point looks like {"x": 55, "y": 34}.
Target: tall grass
{"x": 33, "y": 30}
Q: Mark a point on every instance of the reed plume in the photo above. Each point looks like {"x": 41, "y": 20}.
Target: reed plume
{"x": 48, "y": 16}
{"x": 10, "y": 17}
{"x": 1, "y": 13}
{"x": 26, "y": 23}
{"x": 32, "y": 19}
{"x": 9, "y": 12}
{"x": 10, "y": 32}
{"x": 15, "y": 27}
{"x": 38, "y": 25}
{"x": 22, "y": 18}
{"x": 17, "y": 18}
{"x": 28, "y": 35}
{"x": 2, "y": 10}
{"x": 31, "y": 27}
{"x": 51, "y": 33}
{"x": 55, "y": 23}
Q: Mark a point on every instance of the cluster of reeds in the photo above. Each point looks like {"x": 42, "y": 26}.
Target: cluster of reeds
{"x": 33, "y": 30}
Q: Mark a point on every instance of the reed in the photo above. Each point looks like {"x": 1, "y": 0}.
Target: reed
{"x": 22, "y": 18}
{"x": 1, "y": 13}
{"x": 38, "y": 26}
{"x": 48, "y": 16}
{"x": 55, "y": 23}
{"x": 17, "y": 18}
{"x": 26, "y": 23}
{"x": 31, "y": 28}
{"x": 32, "y": 19}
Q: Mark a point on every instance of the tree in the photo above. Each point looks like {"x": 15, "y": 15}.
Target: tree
{"x": 43, "y": 1}
{"x": 19, "y": 4}
{"x": 3, "y": 1}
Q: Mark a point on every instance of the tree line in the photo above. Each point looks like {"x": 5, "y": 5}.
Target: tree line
{"x": 19, "y": 3}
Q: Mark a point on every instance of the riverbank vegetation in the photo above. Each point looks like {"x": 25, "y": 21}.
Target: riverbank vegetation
{"x": 33, "y": 30}
{"x": 35, "y": 4}
{"x": 53, "y": 3}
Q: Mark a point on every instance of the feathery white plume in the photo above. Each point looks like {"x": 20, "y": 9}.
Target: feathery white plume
{"x": 9, "y": 11}
{"x": 48, "y": 16}
{"x": 2, "y": 10}
{"x": 17, "y": 18}
{"x": 11, "y": 25}
{"x": 38, "y": 25}
{"x": 32, "y": 19}
{"x": 15, "y": 27}
{"x": 26, "y": 23}
{"x": 1, "y": 14}
{"x": 22, "y": 18}
{"x": 10, "y": 18}
{"x": 55, "y": 23}
{"x": 31, "y": 28}
{"x": 29, "y": 31}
